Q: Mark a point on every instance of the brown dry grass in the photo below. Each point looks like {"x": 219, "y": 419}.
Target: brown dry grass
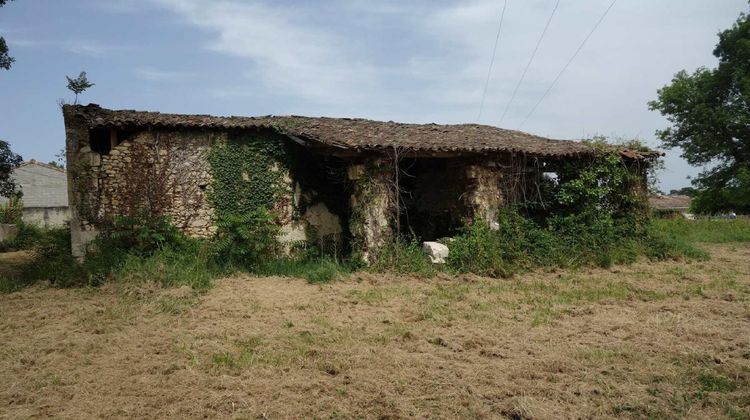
{"x": 647, "y": 340}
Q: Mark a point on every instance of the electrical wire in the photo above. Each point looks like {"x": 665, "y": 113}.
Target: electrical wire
{"x": 492, "y": 60}
{"x": 531, "y": 59}
{"x": 565, "y": 67}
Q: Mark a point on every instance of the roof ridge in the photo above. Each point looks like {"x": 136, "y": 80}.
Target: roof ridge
{"x": 42, "y": 164}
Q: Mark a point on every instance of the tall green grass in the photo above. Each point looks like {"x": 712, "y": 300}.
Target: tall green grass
{"x": 704, "y": 230}
{"x": 315, "y": 271}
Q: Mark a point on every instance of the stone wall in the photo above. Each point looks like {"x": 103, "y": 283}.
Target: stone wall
{"x": 484, "y": 196}
{"x": 371, "y": 204}
{"x": 161, "y": 169}
{"x": 46, "y": 216}
{"x": 42, "y": 185}
{"x": 143, "y": 164}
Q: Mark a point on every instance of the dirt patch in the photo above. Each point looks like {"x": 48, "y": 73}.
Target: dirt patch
{"x": 647, "y": 340}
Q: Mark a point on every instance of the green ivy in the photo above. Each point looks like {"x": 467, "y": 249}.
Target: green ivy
{"x": 248, "y": 173}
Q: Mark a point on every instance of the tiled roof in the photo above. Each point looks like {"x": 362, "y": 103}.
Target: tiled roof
{"x": 670, "y": 202}
{"x": 354, "y": 133}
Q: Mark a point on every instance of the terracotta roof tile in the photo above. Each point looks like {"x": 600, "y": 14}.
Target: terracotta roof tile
{"x": 353, "y": 133}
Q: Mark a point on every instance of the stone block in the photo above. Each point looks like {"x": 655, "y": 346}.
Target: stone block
{"x": 436, "y": 252}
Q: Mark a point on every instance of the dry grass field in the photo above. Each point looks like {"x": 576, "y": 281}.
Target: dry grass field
{"x": 656, "y": 340}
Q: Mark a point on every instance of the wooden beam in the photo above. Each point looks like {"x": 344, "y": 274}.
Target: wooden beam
{"x": 112, "y": 138}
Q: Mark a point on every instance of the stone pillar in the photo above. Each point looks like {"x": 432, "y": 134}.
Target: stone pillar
{"x": 371, "y": 203}
{"x": 80, "y": 161}
{"x": 484, "y": 196}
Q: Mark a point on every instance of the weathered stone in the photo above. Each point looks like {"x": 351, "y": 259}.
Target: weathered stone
{"x": 484, "y": 197}
{"x": 370, "y": 201}
{"x": 435, "y": 251}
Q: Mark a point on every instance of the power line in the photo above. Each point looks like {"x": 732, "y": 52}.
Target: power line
{"x": 565, "y": 67}
{"x": 492, "y": 60}
{"x": 531, "y": 59}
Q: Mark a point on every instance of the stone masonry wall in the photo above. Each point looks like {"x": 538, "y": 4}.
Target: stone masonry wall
{"x": 174, "y": 162}
{"x": 178, "y": 160}
{"x": 484, "y": 197}
{"x": 371, "y": 204}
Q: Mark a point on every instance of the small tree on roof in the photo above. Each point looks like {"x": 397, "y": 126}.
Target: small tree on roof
{"x": 78, "y": 85}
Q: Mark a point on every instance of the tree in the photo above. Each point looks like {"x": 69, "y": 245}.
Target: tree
{"x": 710, "y": 115}
{"x": 78, "y": 85}
{"x": 688, "y": 191}
{"x": 8, "y": 161}
{"x": 5, "y": 59}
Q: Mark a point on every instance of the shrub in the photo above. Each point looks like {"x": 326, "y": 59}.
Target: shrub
{"x": 575, "y": 240}
{"x": 479, "y": 250}
{"x": 141, "y": 235}
{"x": 246, "y": 240}
{"x": 11, "y": 211}
{"x": 144, "y": 253}
{"x": 54, "y": 262}
{"x": 28, "y": 235}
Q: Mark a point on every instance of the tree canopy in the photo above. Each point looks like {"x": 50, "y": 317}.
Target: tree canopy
{"x": 5, "y": 59}
{"x": 710, "y": 115}
{"x": 8, "y": 161}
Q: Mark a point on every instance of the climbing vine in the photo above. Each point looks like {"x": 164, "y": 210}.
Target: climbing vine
{"x": 249, "y": 174}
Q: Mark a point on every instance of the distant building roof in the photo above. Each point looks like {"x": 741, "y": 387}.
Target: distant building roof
{"x": 670, "y": 202}
{"x": 358, "y": 134}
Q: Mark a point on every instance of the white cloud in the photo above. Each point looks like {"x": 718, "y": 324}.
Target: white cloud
{"x": 289, "y": 56}
{"x": 88, "y": 47}
{"x": 158, "y": 75}
{"x": 427, "y": 61}
{"x": 75, "y": 46}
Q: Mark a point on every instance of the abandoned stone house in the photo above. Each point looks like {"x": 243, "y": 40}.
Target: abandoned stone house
{"x": 346, "y": 179}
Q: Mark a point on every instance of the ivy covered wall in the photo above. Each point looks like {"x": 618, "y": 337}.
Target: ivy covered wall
{"x": 251, "y": 170}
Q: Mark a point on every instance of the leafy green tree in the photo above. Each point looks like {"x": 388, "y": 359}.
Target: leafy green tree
{"x": 8, "y": 161}
{"x": 78, "y": 85}
{"x": 710, "y": 115}
{"x": 5, "y": 59}
{"x": 688, "y": 191}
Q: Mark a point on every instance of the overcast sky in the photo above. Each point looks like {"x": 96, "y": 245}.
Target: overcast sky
{"x": 409, "y": 61}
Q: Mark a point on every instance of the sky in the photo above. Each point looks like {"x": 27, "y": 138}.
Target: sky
{"x": 417, "y": 61}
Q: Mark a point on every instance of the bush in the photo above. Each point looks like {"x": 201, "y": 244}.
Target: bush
{"x": 246, "y": 240}
{"x": 141, "y": 235}
{"x": 28, "y": 235}
{"x": 585, "y": 239}
{"x": 53, "y": 261}
{"x": 11, "y": 211}
{"x": 134, "y": 252}
{"x": 168, "y": 267}
{"x": 479, "y": 250}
